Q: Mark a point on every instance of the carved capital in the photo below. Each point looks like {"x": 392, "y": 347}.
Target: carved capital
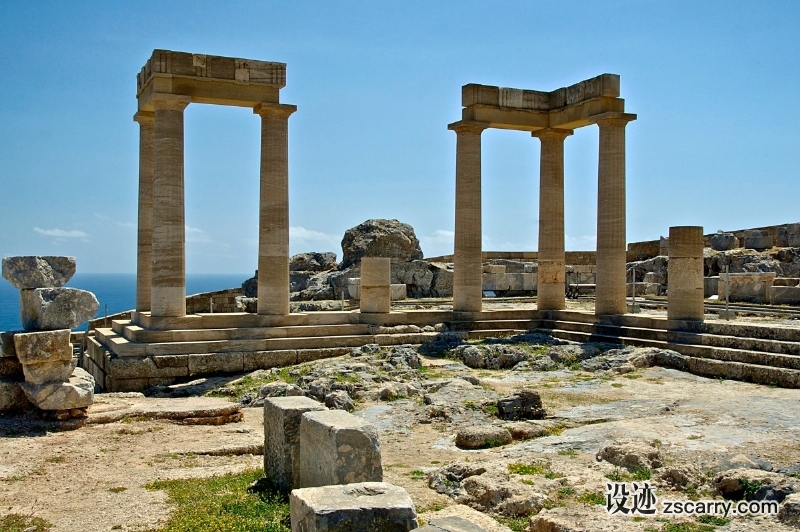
{"x": 280, "y": 110}
{"x": 144, "y": 117}
{"x": 468, "y": 127}
{"x": 612, "y": 119}
{"x": 169, "y": 102}
{"x": 551, "y": 133}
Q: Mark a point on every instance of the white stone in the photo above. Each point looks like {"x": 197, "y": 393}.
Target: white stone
{"x": 56, "y": 308}
{"x": 38, "y": 272}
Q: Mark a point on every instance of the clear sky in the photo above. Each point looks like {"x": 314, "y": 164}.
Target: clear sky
{"x": 716, "y": 85}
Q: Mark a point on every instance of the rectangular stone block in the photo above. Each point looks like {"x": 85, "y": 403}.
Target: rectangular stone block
{"x": 269, "y": 359}
{"x": 216, "y": 363}
{"x": 282, "y": 416}
{"x": 376, "y": 299}
{"x": 43, "y": 346}
{"x": 747, "y": 287}
{"x": 366, "y": 506}
{"x": 785, "y": 295}
{"x": 494, "y": 268}
{"x": 7, "y": 348}
{"x": 755, "y": 239}
{"x": 398, "y": 292}
{"x": 337, "y": 448}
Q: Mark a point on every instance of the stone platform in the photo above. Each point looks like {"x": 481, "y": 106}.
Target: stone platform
{"x": 135, "y": 354}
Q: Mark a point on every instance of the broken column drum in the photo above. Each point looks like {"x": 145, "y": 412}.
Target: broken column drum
{"x": 168, "y": 83}
{"x": 552, "y": 117}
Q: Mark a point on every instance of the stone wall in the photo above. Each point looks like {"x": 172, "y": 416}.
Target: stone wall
{"x": 224, "y": 301}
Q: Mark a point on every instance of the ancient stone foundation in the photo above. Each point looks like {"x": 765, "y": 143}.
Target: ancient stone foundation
{"x": 685, "y": 293}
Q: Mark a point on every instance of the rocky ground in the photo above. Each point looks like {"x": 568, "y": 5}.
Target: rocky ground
{"x": 577, "y": 417}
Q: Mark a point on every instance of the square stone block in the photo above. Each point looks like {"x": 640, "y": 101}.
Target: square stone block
{"x": 366, "y": 506}
{"x": 375, "y": 271}
{"x": 337, "y": 448}
{"x": 376, "y": 299}
{"x": 282, "y": 417}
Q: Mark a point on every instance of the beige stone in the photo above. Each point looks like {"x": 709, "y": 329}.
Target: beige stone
{"x": 685, "y": 276}
{"x": 376, "y": 295}
{"x": 467, "y": 269}
{"x": 551, "y": 276}
{"x": 43, "y": 347}
{"x": 144, "y": 258}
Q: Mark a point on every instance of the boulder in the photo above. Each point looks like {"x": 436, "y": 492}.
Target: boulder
{"x": 494, "y": 492}
{"x": 250, "y": 286}
{"x": 789, "y": 513}
{"x": 38, "y": 272}
{"x": 633, "y": 456}
{"x": 380, "y": 238}
{"x": 56, "y": 308}
{"x": 754, "y": 485}
{"x": 525, "y": 404}
{"x": 77, "y": 393}
{"x": 339, "y": 400}
{"x": 12, "y": 398}
{"x": 482, "y": 436}
{"x": 312, "y": 262}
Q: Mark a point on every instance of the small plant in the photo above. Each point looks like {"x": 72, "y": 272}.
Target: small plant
{"x": 516, "y": 524}
{"x": 616, "y": 385}
{"x": 418, "y": 474}
{"x": 563, "y": 493}
{"x": 632, "y": 376}
{"x": 518, "y": 468}
{"x": 592, "y": 498}
{"x": 554, "y": 431}
{"x": 641, "y": 474}
{"x": 713, "y": 520}
{"x": 490, "y": 409}
{"x": 435, "y": 506}
{"x": 553, "y": 475}
{"x": 572, "y": 453}
{"x": 117, "y": 489}
{"x": 749, "y": 488}
{"x": 617, "y": 475}
{"x": 23, "y": 523}
{"x": 56, "y": 459}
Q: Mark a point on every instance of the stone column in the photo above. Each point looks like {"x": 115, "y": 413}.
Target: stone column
{"x": 611, "y": 244}
{"x": 685, "y": 276}
{"x": 144, "y": 256}
{"x": 467, "y": 269}
{"x": 273, "y": 220}
{"x": 376, "y": 295}
{"x": 551, "y": 277}
{"x": 168, "y": 295}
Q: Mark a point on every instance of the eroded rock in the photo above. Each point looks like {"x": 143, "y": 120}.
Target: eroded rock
{"x": 482, "y": 436}
{"x": 380, "y": 238}
{"x": 633, "y": 456}
{"x": 45, "y": 309}
{"x": 29, "y": 272}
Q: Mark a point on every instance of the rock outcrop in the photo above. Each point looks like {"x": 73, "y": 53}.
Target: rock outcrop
{"x": 380, "y": 238}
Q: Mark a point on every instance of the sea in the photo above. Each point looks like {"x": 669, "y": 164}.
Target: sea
{"x": 116, "y": 292}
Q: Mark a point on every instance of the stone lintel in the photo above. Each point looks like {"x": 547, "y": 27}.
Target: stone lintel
{"x": 604, "y": 85}
{"x": 212, "y": 67}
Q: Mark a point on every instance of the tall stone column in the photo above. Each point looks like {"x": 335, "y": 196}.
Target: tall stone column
{"x": 467, "y": 263}
{"x": 168, "y": 293}
{"x": 551, "y": 277}
{"x": 273, "y": 220}
{"x": 611, "y": 243}
{"x": 144, "y": 255}
{"x": 685, "y": 276}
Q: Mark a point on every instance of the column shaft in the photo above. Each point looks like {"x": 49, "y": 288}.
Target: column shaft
{"x": 611, "y": 243}
{"x": 467, "y": 263}
{"x": 551, "y": 276}
{"x": 273, "y": 225}
{"x": 144, "y": 256}
{"x": 168, "y": 296}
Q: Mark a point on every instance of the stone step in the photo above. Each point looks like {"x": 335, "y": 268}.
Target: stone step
{"x": 776, "y": 352}
{"x": 721, "y": 355}
{"x": 524, "y": 325}
{"x": 136, "y": 333}
{"x": 479, "y": 334}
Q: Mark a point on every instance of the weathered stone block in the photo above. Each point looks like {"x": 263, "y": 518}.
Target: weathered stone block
{"x": 785, "y": 295}
{"x": 216, "y": 363}
{"x": 38, "y": 272}
{"x": 57, "y": 371}
{"x": 7, "y": 349}
{"x": 450, "y": 523}
{"x": 366, "y": 506}
{"x": 755, "y": 239}
{"x": 282, "y": 416}
{"x": 11, "y": 368}
{"x": 337, "y": 448}
{"x": 525, "y": 404}
{"x": 12, "y": 398}
{"x": 747, "y": 287}
{"x": 724, "y": 241}
{"x": 45, "y": 309}
{"x": 43, "y": 347}
{"x": 77, "y": 393}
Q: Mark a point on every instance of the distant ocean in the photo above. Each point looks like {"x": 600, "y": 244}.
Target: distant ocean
{"x": 116, "y": 290}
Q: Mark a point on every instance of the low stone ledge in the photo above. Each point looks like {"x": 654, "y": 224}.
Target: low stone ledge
{"x": 363, "y": 506}
{"x": 216, "y": 363}
{"x": 282, "y": 416}
{"x": 337, "y": 448}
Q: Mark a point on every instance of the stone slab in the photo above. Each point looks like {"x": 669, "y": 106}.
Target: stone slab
{"x": 365, "y": 506}
{"x": 785, "y": 295}
{"x": 58, "y": 371}
{"x": 44, "y": 309}
{"x": 43, "y": 347}
{"x": 282, "y": 416}
{"x": 337, "y": 448}
{"x": 38, "y": 271}
{"x": 112, "y": 407}
{"x": 450, "y": 524}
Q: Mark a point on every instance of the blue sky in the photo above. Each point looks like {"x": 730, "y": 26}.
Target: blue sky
{"x": 716, "y": 85}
